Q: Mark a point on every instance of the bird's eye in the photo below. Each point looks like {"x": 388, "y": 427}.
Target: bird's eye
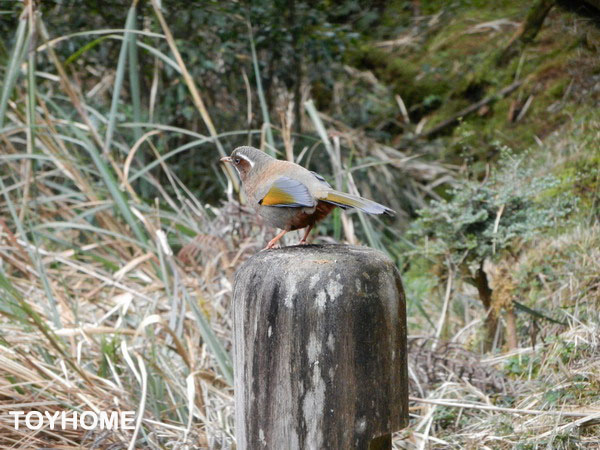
{"x": 236, "y": 160}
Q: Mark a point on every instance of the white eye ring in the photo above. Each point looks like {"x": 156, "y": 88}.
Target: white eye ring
{"x": 237, "y": 160}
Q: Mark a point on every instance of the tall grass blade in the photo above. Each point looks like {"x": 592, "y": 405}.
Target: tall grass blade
{"x": 120, "y": 73}
{"x": 28, "y": 164}
{"x": 134, "y": 77}
{"x": 261, "y": 95}
{"x": 10, "y": 77}
{"x": 134, "y": 83}
{"x": 223, "y": 358}
{"x": 64, "y": 37}
{"x": 31, "y": 87}
{"x": 118, "y": 196}
{"x": 320, "y": 127}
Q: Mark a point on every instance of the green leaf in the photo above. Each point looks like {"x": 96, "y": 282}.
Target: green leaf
{"x": 120, "y": 73}
{"x": 221, "y": 355}
{"x": 261, "y": 96}
{"x": 75, "y": 55}
{"x": 11, "y": 74}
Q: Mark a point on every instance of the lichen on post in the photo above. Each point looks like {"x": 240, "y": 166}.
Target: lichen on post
{"x": 320, "y": 349}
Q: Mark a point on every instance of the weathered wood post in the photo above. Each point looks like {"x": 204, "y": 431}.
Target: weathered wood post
{"x": 320, "y": 349}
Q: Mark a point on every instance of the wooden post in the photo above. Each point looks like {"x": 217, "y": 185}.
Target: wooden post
{"x": 320, "y": 349}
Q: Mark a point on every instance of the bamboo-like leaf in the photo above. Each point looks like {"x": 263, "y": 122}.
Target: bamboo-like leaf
{"x": 261, "y": 95}
{"x": 223, "y": 358}
{"x": 10, "y": 77}
{"x": 134, "y": 85}
{"x": 320, "y": 127}
{"x": 134, "y": 78}
{"x": 30, "y": 108}
{"x": 119, "y": 74}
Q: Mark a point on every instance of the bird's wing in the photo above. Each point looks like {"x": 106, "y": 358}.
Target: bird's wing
{"x": 321, "y": 179}
{"x": 287, "y": 192}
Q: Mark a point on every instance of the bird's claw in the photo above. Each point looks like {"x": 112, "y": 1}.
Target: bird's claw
{"x": 272, "y": 243}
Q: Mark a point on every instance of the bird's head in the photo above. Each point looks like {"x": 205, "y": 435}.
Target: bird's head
{"x": 247, "y": 160}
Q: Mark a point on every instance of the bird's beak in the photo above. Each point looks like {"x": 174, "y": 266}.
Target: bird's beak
{"x": 226, "y": 159}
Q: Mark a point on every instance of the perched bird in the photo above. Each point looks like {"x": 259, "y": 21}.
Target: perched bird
{"x": 287, "y": 195}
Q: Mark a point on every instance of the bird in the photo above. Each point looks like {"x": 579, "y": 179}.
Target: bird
{"x": 288, "y": 196}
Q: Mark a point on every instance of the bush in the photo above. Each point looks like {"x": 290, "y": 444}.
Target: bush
{"x": 490, "y": 220}
{"x": 483, "y": 218}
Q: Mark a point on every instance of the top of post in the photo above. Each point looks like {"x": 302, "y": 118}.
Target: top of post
{"x": 319, "y": 254}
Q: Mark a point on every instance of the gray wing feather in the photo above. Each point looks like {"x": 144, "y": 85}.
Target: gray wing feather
{"x": 294, "y": 188}
{"x": 321, "y": 179}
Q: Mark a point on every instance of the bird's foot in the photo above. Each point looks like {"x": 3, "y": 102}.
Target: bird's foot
{"x": 271, "y": 244}
{"x": 306, "y": 233}
{"x": 274, "y": 241}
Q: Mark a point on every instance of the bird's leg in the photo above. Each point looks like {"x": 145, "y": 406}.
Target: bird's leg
{"x": 273, "y": 241}
{"x": 306, "y": 233}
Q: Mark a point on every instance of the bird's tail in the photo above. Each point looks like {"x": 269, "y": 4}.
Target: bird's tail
{"x": 344, "y": 200}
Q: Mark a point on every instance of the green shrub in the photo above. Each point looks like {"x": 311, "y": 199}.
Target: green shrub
{"x": 483, "y": 218}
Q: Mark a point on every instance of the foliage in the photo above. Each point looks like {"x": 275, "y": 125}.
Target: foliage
{"x": 484, "y": 218}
